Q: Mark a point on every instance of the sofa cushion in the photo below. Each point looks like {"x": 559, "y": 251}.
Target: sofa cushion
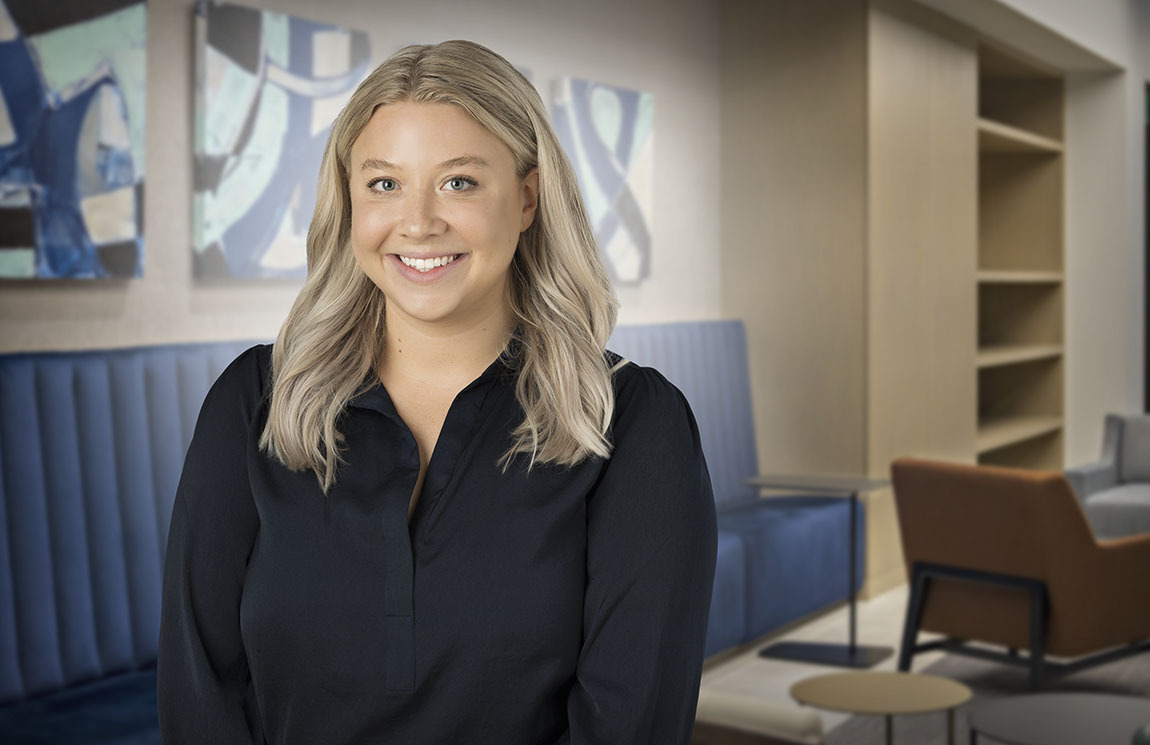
{"x": 1134, "y": 460}
{"x": 796, "y": 551}
{"x": 1120, "y": 511}
{"x": 117, "y": 710}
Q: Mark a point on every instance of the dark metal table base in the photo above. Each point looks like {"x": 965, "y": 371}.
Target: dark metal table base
{"x": 841, "y": 655}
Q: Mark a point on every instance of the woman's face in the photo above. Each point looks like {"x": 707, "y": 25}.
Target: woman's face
{"x": 436, "y": 212}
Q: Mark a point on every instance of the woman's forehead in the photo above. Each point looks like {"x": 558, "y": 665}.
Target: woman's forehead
{"x": 426, "y": 135}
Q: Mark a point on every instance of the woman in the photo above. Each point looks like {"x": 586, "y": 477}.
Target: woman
{"x": 437, "y": 510}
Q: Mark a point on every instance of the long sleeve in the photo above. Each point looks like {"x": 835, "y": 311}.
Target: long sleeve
{"x": 651, "y": 546}
{"x": 204, "y": 687}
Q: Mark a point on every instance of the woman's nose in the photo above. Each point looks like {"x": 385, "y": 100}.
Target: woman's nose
{"x": 422, "y": 218}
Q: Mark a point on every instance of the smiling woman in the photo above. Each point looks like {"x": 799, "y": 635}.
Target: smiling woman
{"x": 436, "y": 233}
{"x": 438, "y": 509}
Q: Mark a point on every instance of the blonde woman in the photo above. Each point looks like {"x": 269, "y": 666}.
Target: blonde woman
{"x": 437, "y": 510}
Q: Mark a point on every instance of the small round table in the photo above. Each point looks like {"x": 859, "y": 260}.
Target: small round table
{"x": 1060, "y": 719}
{"x": 886, "y": 693}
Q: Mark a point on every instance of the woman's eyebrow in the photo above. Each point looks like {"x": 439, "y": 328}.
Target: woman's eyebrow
{"x": 378, "y": 164}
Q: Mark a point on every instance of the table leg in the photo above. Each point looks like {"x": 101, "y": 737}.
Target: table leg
{"x": 851, "y": 569}
{"x": 889, "y": 730}
{"x": 950, "y": 727}
{"x": 851, "y": 654}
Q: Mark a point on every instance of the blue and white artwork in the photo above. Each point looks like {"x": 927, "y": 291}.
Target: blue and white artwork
{"x": 269, "y": 87}
{"x": 72, "y": 138}
{"x": 606, "y": 132}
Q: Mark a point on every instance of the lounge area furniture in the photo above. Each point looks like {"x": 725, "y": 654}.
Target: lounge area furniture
{"x": 1005, "y": 556}
{"x": 91, "y": 448}
{"x": 1115, "y": 490}
{"x": 884, "y": 693}
{"x": 781, "y": 558}
{"x": 92, "y": 444}
{"x": 1061, "y": 719}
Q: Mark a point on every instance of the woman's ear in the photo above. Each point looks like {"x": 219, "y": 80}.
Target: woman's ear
{"x": 530, "y": 198}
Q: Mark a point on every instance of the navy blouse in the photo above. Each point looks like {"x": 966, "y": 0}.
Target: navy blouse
{"x": 567, "y": 606}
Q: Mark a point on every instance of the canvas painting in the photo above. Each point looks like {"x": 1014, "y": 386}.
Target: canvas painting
{"x": 606, "y": 132}
{"x": 72, "y": 139}
{"x": 268, "y": 88}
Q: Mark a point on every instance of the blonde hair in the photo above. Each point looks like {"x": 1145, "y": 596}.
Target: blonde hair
{"x": 561, "y": 296}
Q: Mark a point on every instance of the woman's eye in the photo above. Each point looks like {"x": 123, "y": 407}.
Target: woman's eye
{"x": 460, "y": 183}
{"x": 385, "y": 184}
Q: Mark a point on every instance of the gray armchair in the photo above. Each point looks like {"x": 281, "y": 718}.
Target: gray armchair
{"x": 1115, "y": 490}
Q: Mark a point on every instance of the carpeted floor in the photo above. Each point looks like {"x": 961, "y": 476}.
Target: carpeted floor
{"x": 988, "y": 680}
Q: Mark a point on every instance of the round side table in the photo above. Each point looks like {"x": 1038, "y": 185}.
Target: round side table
{"x": 1061, "y": 719}
{"x": 886, "y": 693}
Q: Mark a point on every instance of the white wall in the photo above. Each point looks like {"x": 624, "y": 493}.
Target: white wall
{"x": 1106, "y": 204}
{"x": 669, "y": 48}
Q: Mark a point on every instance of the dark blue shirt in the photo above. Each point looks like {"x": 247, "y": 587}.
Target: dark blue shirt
{"x": 560, "y": 606}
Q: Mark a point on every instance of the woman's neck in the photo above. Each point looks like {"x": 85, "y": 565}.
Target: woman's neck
{"x": 443, "y": 355}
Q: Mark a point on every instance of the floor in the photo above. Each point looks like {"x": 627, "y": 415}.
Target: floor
{"x": 880, "y": 622}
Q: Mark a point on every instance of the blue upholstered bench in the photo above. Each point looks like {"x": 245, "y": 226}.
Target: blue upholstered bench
{"x": 780, "y": 558}
{"x": 91, "y": 448}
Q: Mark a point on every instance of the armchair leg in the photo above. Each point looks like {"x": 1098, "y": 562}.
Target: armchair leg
{"x": 914, "y": 606}
{"x": 1037, "y": 640}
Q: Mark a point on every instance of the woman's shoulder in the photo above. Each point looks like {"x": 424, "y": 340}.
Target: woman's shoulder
{"x": 643, "y": 392}
{"x": 247, "y": 377}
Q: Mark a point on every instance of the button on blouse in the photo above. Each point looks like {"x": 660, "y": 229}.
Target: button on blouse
{"x": 565, "y": 605}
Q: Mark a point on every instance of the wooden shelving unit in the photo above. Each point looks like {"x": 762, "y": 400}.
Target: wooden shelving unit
{"x": 1012, "y": 354}
{"x": 1019, "y": 277}
{"x": 1019, "y": 363}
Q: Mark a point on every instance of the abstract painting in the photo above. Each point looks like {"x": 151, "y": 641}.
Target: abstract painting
{"x": 72, "y": 138}
{"x": 606, "y": 132}
{"x": 269, "y": 87}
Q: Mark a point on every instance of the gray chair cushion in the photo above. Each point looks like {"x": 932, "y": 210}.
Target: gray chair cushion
{"x": 1121, "y": 511}
{"x": 1134, "y": 462}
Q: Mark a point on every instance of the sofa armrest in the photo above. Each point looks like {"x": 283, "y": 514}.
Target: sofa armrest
{"x": 724, "y": 718}
{"x": 1092, "y": 478}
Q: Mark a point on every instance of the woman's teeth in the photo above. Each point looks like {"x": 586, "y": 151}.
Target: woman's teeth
{"x": 426, "y": 265}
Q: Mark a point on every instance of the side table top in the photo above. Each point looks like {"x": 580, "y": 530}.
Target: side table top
{"x": 880, "y": 692}
{"x": 845, "y": 484}
{"x": 1062, "y": 718}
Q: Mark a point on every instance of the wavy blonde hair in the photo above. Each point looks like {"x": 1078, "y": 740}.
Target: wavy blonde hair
{"x": 561, "y": 296}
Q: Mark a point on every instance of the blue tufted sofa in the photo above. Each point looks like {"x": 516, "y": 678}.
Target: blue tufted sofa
{"x": 91, "y": 448}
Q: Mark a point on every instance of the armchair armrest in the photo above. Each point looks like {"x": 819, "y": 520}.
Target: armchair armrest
{"x": 1092, "y": 478}
{"x": 1121, "y": 585}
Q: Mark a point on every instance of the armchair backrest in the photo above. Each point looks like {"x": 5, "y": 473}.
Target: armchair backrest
{"x": 1003, "y": 520}
{"x": 1134, "y": 448}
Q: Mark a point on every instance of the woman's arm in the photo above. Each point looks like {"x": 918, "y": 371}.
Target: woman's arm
{"x": 204, "y": 689}
{"x": 651, "y": 545}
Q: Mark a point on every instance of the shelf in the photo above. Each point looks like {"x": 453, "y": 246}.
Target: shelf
{"x": 1013, "y": 354}
{"x": 1012, "y": 277}
{"x": 998, "y": 433}
{"x": 996, "y": 137}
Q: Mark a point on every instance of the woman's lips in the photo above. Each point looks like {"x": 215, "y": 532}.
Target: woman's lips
{"x": 425, "y": 277}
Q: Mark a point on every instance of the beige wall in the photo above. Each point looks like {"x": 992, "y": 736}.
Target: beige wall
{"x": 794, "y": 237}
{"x": 667, "y": 48}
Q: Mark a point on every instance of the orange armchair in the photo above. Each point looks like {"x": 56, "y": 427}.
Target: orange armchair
{"x": 1006, "y": 556}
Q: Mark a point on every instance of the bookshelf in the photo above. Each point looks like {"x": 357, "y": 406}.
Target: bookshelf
{"x": 1019, "y": 363}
